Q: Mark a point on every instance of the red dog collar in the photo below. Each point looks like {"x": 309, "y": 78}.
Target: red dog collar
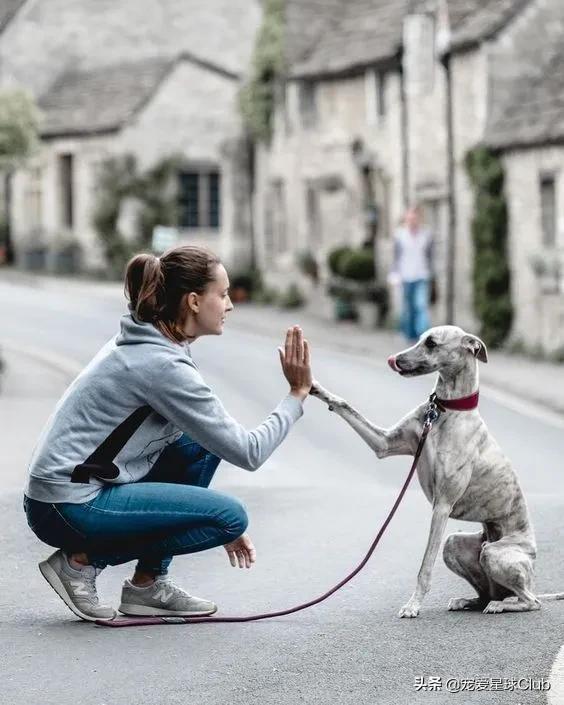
{"x": 462, "y": 404}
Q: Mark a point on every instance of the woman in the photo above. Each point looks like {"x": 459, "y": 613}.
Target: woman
{"x": 413, "y": 267}
{"x": 122, "y": 468}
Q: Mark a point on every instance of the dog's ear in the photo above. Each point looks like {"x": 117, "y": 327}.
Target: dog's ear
{"x": 476, "y": 346}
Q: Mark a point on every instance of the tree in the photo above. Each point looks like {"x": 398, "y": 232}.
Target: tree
{"x": 19, "y": 128}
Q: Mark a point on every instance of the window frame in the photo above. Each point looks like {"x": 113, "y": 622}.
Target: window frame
{"x": 205, "y": 208}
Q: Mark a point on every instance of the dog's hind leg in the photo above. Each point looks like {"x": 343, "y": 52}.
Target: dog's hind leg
{"x": 510, "y": 566}
{"x": 461, "y": 553}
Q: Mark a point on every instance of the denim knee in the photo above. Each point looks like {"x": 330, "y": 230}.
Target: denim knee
{"x": 237, "y": 518}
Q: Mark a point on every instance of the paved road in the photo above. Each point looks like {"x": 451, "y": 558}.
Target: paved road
{"x": 314, "y": 507}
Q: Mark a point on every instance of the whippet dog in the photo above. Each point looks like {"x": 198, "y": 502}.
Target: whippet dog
{"x": 464, "y": 475}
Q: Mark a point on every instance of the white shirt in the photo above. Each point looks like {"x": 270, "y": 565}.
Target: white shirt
{"x": 412, "y": 254}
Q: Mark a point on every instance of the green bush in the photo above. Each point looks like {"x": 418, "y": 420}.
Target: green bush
{"x": 257, "y": 97}
{"x": 358, "y": 265}
{"x": 335, "y": 257}
{"x": 119, "y": 179}
{"x": 491, "y": 275}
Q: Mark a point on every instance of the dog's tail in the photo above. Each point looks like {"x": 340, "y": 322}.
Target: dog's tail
{"x": 552, "y": 596}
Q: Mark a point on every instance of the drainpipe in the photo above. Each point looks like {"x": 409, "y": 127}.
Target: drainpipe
{"x": 451, "y": 174}
{"x": 404, "y": 132}
{"x": 251, "y": 160}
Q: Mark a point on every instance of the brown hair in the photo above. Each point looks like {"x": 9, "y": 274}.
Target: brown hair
{"x": 155, "y": 286}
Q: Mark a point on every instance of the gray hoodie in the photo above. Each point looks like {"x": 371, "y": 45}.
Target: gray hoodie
{"x": 137, "y": 396}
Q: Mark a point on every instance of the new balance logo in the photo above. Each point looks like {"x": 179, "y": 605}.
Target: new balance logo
{"x": 79, "y": 588}
{"x": 162, "y": 595}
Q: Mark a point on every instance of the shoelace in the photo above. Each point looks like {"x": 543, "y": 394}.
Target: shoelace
{"x": 88, "y": 578}
{"x": 175, "y": 590}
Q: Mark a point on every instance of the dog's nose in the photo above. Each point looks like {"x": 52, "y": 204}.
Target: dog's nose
{"x": 392, "y": 363}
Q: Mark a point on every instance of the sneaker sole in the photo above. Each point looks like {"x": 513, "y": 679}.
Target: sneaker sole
{"x": 145, "y": 611}
{"x": 55, "y": 582}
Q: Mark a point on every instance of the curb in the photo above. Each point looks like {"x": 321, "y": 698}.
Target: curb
{"x": 61, "y": 364}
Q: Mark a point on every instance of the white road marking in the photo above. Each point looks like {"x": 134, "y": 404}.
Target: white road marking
{"x": 61, "y": 363}
{"x": 523, "y": 406}
{"x": 556, "y": 692}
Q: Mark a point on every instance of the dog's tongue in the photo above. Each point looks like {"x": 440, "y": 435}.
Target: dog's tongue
{"x": 392, "y": 363}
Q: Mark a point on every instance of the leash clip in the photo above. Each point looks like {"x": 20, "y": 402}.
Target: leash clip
{"x": 432, "y": 411}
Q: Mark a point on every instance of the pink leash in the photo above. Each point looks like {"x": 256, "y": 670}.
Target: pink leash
{"x": 431, "y": 416}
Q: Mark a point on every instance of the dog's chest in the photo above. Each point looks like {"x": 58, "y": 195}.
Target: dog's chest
{"x": 443, "y": 467}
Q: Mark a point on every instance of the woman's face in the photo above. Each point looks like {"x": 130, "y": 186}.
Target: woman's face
{"x": 207, "y": 311}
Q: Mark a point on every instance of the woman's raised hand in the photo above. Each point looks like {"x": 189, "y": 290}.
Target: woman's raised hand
{"x": 295, "y": 361}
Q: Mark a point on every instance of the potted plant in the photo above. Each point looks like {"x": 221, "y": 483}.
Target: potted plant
{"x": 358, "y": 267}
{"x": 338, "y": 288}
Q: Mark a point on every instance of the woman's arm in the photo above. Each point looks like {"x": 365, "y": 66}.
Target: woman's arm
{"x": 179, "y": 393}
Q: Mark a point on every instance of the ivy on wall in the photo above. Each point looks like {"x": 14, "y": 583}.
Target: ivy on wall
{"x": 257, "y": 97}
{"x": 491, "y": 275}
{"x": 19, "y": 125}
{"x": 155, "y": 191}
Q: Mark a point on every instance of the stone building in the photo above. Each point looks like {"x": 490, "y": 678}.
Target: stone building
{"x": 146, "y": 77}
{"x": 337, "y": 134}
{"x": 402, "y": 91}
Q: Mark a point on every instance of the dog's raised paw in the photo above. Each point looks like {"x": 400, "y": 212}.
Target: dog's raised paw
{"x": 494, "y": 607}
{"x": 409, "y": 610}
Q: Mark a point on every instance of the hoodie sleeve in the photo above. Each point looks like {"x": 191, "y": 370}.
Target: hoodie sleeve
{"x": 179, "y": 393}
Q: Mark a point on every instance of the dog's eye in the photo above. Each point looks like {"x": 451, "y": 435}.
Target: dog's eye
{"x": 430, "y": 344}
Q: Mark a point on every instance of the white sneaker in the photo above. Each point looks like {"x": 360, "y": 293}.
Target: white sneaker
{"x": 77, "y": 588}
{"x": 162, "y": 597}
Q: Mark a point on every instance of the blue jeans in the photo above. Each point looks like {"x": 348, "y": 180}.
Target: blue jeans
{"x": 167, "y": 513}
{"x": 415, "y": 309}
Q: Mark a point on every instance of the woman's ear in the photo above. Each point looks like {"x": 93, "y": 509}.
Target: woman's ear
{"x": 193, "y": 302}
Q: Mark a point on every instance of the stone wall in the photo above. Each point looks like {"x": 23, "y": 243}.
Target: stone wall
{"x": 320, "y": 158}
{"x": 539, "y": 312}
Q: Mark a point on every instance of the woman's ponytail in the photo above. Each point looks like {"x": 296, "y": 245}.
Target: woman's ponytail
{"x": 144, "y": 286}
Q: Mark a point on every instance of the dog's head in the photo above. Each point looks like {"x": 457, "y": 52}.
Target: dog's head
{"x": 444, "y": 349}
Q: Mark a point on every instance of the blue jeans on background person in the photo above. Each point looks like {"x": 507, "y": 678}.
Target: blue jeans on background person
{"x": 169, "y": 512}
{"x": 415, "y": 309}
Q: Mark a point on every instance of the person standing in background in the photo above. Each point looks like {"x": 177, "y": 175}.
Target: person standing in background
{"x": 412, "y": 268}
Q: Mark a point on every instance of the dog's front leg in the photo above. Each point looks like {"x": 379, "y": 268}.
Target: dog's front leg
{"x": 401, "y": 439}
{"x": 441, "y": 513}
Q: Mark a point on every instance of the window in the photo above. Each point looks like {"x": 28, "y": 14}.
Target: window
{"x": 308, "y": 105}
{"x": 374, "y": 90}
{"x": 66, "y": 164}
{"x": 199, "y": 199}
{"x": 548, "y": 210}
{"x": 380, "y": 94}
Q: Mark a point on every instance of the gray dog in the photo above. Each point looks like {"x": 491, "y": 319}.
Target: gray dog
{"x": 464, "y": 475}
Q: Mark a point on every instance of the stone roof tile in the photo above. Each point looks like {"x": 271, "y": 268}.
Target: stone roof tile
{"x": 356, "y": 33}
{"x": 532, "y": 109}
{"x": 476, "y": 20}
{"x": 8, "y": 9}
{"x": 99, "y": 100}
